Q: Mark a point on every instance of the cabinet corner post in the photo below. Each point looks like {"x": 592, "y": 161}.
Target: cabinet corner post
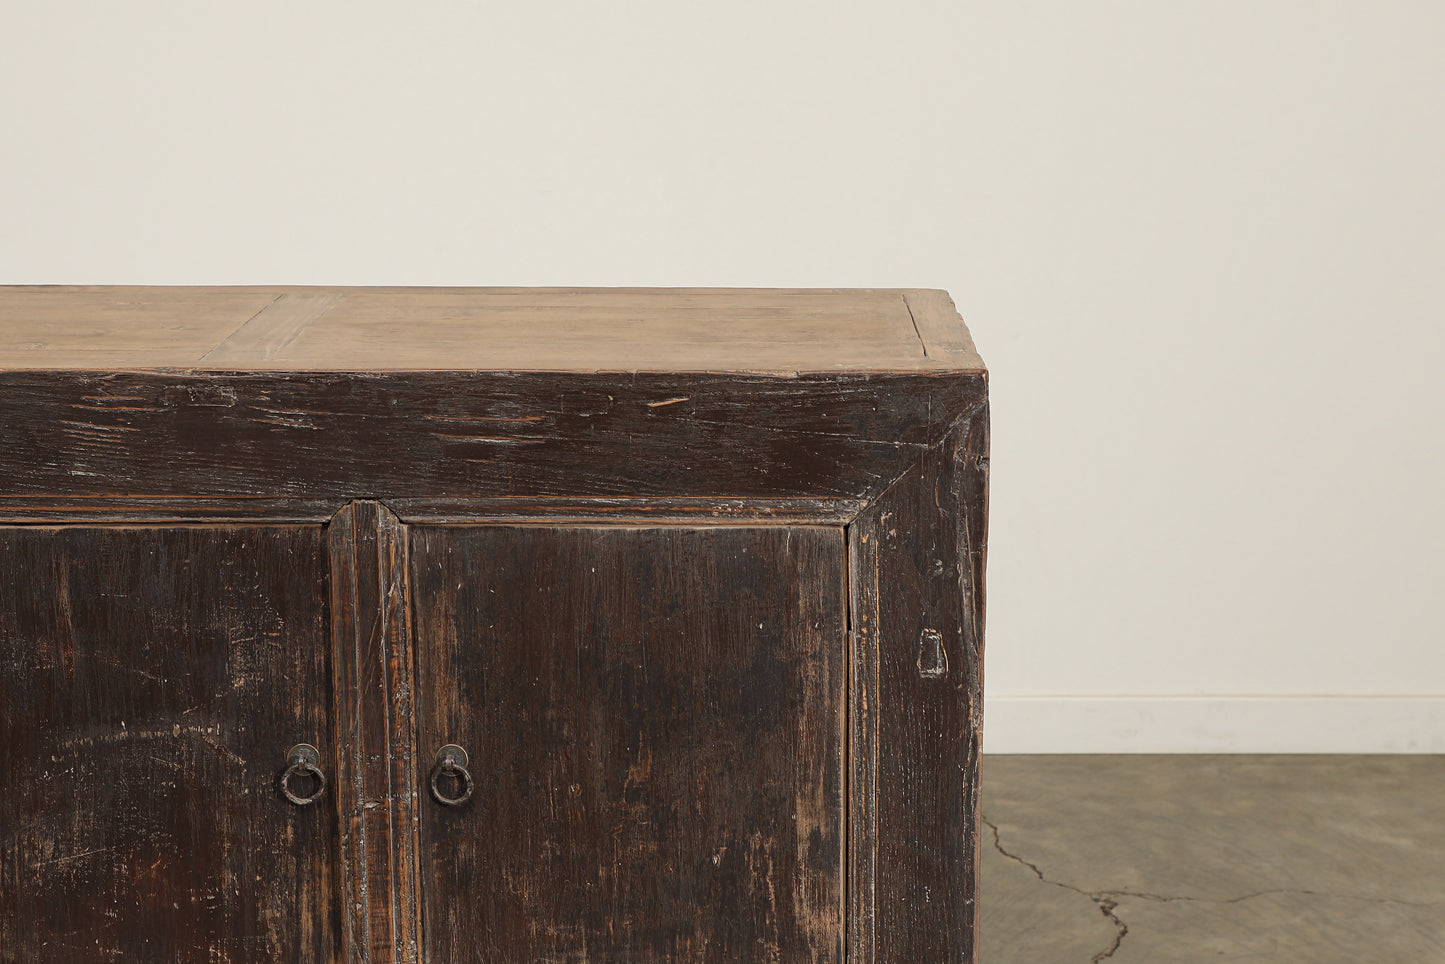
{"x": 916, "y": 561}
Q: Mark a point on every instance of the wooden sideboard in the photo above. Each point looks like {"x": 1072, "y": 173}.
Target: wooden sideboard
{"x": 489, "y": 625}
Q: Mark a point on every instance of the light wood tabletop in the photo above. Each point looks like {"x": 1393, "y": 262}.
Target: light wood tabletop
{"x": 510, "y": 329}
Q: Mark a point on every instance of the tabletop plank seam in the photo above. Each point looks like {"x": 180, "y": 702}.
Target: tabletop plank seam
{"x": 268, "y": 332}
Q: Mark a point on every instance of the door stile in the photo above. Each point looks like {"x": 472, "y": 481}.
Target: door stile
{"x": 375, "y": 762}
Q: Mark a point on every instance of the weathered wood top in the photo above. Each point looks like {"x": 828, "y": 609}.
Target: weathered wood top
{"x": 483, "y": 329}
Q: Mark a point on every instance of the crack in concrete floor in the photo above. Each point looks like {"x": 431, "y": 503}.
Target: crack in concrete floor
{"x": 1098, "y": 895}
{"x": 1105, "y": 904}
{"x": 1367, "y": 822}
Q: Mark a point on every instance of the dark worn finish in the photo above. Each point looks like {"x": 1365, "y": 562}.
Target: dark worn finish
{"x": 375, "y": 759}
{"x": 555, "y": 510}
{"x": 693, "y": 579}
{"x": 917, "y": 563}
{"x": 152, "y": 680}
{"x": 655, "y": 718}
{"x": 336, "y": 435}
{"x": 631, "y": 511}
{"x": 50, "y": 509}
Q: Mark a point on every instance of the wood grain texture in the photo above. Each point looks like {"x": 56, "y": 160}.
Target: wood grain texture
{"x": 482, "y": 434}
{"x": 655, "y": 719}
{"x": 273, "y": 328}
{"x": 516, "y": 329}
{"x": 628, "y": 511}
{"x": 945, "y": 339}
{"x": 152, "y": 680}
{"x": 375, "y": 759}
{"x": 633, "y": 542}
{"x": 46, "y": 509}
{"x": 83, "y": 327}
{"x": 616, "y": 510}
{"x": 917, "y": 559}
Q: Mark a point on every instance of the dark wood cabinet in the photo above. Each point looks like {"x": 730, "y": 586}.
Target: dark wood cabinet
{"x": 151, "y": 676}
{"x": 629, "y": 626}
{"x": 656, "y": 718}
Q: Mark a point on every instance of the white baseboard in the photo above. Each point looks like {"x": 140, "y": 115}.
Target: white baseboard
{"x": 1214, "y": 724}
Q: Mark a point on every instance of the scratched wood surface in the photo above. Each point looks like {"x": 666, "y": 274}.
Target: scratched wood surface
{"x": 655, "y": 719}
{"x": 481, "y": 434}
{"x": 917, "y": 557}
{"x": 375, "y": 759}
{"x": 811, "y": 461}
{"x": 517, "y": 329}
{"x": 152, "y": 680}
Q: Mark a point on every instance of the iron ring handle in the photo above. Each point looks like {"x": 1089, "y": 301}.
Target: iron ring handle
{"x": 452, "y": 761}
{"x": 303, "y": 759}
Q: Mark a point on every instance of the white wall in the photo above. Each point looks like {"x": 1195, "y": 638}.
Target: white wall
{"x": 1201, "y": 244}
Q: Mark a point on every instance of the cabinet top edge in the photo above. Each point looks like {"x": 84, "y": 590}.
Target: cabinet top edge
{"x": 770, "y": 332}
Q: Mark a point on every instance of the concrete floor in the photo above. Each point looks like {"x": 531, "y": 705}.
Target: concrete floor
{"x": 1165, "y": 859}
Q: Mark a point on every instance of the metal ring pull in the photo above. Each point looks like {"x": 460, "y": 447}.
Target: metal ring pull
{"x": 452, "y": 761}
{"x": 303, "y": 759}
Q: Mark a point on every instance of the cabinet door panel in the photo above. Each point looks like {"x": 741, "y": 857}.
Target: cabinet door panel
{"x": 152, "y": 680}
{"x": 655, "y": 723}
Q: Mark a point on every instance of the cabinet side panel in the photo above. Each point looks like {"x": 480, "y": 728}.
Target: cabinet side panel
{"x": 655, "y": 719}
{"x": 152, "y": 681}
{"x": 917, "y": 566}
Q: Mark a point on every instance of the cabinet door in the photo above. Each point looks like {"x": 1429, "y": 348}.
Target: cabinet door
{"x": 655, "y": 723}
{"x": 152, "y": 680}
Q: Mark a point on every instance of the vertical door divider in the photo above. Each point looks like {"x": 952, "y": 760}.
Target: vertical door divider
{"x": 376, "y": 785}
